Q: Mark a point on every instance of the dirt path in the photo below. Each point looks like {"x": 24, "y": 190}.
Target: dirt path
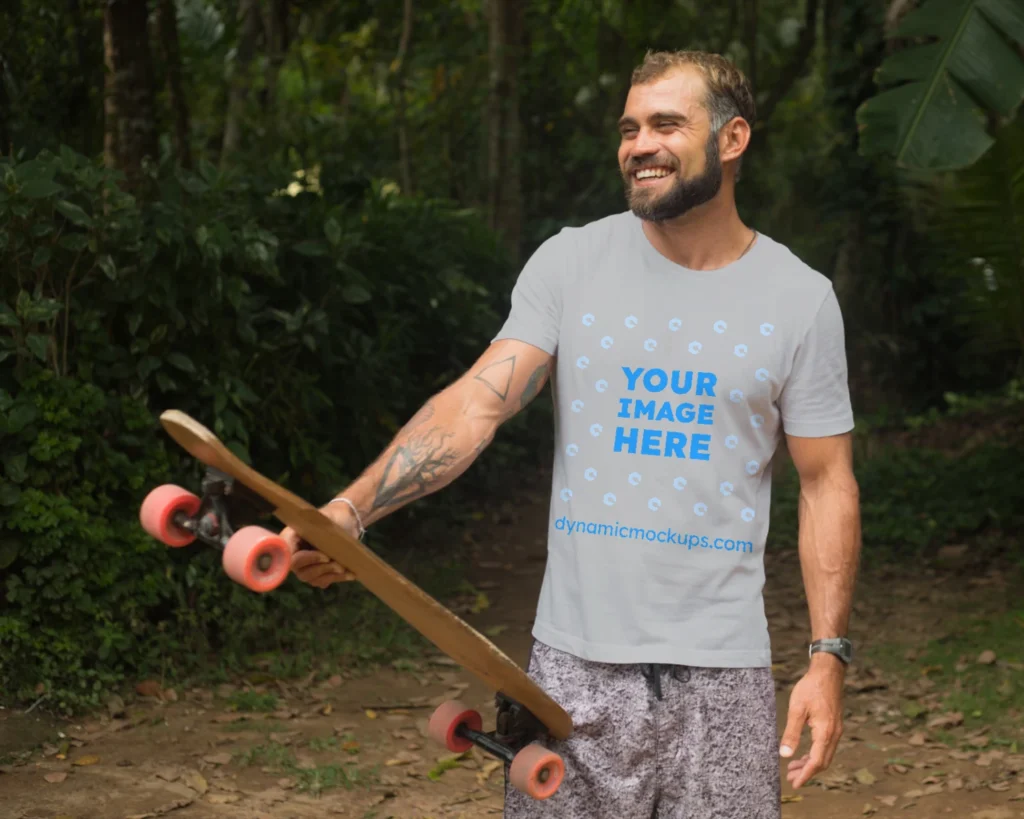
{"x": 355, "y": 747}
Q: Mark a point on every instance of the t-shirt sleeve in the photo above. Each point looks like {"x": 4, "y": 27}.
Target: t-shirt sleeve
{"x": 815, "y": 401}
{"x": 536, "y": 311}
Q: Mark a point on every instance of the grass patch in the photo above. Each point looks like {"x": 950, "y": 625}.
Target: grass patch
{"x": 314, "y": 780}
{"x": 250, "y": 701}
{"x": 323, "y": 743}
{"x": 986, "y": 694}
{"x": 915, "y": 500}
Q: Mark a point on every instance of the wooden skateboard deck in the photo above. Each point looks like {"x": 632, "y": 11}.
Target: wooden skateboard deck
{"x": 444, "y": 629}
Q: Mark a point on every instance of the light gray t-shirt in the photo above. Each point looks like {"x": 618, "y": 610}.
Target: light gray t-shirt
{"x": 672, "y": 389}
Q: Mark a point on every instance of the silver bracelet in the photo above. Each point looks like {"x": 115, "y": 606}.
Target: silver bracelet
{"x": 359, "y": 521}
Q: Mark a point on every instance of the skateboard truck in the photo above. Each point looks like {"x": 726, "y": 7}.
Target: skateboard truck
{"x": 251, "y": 555}
{"x": 532, "y": 768}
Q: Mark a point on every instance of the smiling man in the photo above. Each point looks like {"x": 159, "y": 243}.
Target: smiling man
{"x": 683, "y": 347}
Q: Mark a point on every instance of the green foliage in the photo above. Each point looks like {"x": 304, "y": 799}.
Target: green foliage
{"x": 247, "y": 701}
{"x": 915, "y": 498}
{"x": 980, "y": 218}
{"x": 303, "y": 329}
{"x": 935, "y": 116}
{"x": 314, "y": 779}
{"x": 987, "y": 695}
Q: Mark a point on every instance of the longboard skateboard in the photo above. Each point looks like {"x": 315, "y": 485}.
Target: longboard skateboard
{"x": 260, "y": 560}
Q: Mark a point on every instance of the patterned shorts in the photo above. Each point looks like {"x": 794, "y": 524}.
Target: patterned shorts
{"x": 658, "y": 742}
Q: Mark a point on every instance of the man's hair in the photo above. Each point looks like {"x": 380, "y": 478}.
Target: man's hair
{"x": 729, "y": 92}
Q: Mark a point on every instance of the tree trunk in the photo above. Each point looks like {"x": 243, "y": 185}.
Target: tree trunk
{"x": 750, "y": 40}
{"x": 6, "y": 117}
{"x": 504, "y": 183}
{"x": 238, "y": 93}
{"x": 795, "y": 66}
{"x": 130, "y": 127}
{"x": 399, "y": 73}
{"x": 168, "y": 23}
{"x": 276, "y": 36}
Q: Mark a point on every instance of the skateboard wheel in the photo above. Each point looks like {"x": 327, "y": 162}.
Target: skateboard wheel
{"x": 257, "y": 559}
{"x": 159, "y": 508}
{"x": 537, "y": 772}
{"x": 448, "y": 717}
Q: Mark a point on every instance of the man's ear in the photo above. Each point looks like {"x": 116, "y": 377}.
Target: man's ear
{"x": 733, "y": 139}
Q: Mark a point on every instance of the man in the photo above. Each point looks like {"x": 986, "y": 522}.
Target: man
{"x": 682, "y": 346}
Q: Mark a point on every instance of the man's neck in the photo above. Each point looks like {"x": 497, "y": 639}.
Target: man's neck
{"x": 706, "y": 238}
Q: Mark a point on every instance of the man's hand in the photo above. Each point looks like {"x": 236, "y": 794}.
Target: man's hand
{"x": 817, "y": 700}
{"x": 312, "y": 566}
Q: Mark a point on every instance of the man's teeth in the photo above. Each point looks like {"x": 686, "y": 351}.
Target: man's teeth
{"x": 652, "y": 173}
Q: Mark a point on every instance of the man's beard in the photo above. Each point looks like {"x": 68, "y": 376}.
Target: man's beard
{"x": 684, "y": 194}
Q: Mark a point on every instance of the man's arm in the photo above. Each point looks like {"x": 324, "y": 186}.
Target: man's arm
{"x": 829, "y": 532}
{"x": 443, "y": 439}
{"x": 437, "y": 445}
{"x": 829, "y": 544}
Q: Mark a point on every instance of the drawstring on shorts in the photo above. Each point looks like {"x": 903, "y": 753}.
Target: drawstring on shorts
{"x": 652, "y": 673}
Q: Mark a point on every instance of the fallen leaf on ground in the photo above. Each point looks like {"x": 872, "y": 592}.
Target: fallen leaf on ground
{"x": 987, "y": 657}
{"x": 162, "y": 811}
{"x": 371, "y": 714}
{"x": 222, "y": 798}
{"x": 949, "y": 720}
{"x": 217, "y": 759}
{"x": 869, "y": 809}
{"x": 888, "y": 801}
{"x": 985, "y": 760}
{"x": 404, "y": 758}
{"x": 487, "y": 770}
{"x": 918, "y": 738}
{"x": 865, "y": 777}
{"x": 196, "y": 781}
{"x": 55, "y": 778}
{"x": 149, "y": 688}
{"x": 83, "y": 761}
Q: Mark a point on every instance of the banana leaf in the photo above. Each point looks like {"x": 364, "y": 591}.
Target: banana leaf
{"x": 964, "y": 64}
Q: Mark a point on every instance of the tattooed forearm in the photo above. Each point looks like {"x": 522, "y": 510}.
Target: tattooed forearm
{"x": 533, "y": 387}
{"x": 414, "y": 465}
{"x": 448, "y": 433}
{"x": 498, "y": 376}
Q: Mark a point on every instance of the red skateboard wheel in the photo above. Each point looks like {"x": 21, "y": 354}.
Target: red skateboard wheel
{"x": 159, "y": 508}
{"x": 449, "y": 716}
{"x": 257, "y": 559}
{"x": 537, "y": 772}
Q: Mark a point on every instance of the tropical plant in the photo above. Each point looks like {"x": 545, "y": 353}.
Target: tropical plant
{"x": 981, "y": 225}
{"x": 944, "y": 90}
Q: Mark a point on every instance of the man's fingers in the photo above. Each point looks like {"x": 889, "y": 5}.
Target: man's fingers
{"x": 794, "y": 727}
{"x": 305, "y": 559}
{"x": 834, "y": 737}
{"x": 291, "y": 537}
{"x": 815, "y": 759}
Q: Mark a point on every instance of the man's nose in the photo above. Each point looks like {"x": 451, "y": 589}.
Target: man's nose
{"x": 644, "y": 145}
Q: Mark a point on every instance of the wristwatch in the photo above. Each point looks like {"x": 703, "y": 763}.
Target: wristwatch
{"x": 839, "y": 646}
